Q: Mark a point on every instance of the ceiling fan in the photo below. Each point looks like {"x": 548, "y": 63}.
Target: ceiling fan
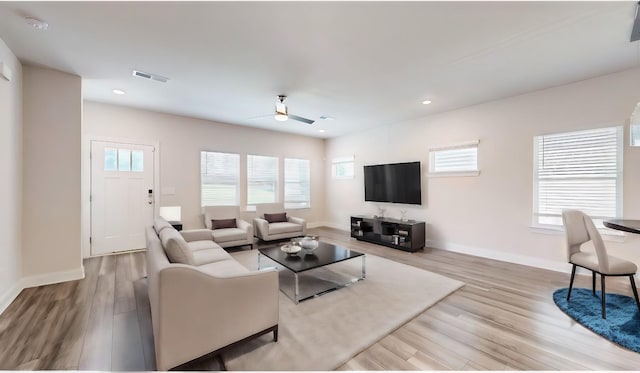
{"x": 282, "y": 112}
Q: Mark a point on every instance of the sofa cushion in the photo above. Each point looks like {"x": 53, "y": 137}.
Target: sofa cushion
{"x": 223, "y": 223}
{"x": 224, "y": 268}
{"x": 159, "y": 224}
{"x": 276, "y": 218}
{"x": 278, "y": 228}
{"x": 202, "y": 245}
{"x": 201, "y": 257}
{"x": 176, "y": 247}
{"x": 229, "y": 234}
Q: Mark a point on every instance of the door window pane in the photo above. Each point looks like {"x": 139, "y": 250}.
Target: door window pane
{"x": 110, "y": 159}
{"x": 137, "y": 160}
{"x": 124, "y": 160}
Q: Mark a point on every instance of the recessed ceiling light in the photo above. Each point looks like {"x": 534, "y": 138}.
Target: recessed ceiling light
{"x": 36, "y": 23}
{"x": 118, "y": 91}
{"x": 426, "y": 102}
{"x": 321, "y": 131}
{"x": 324, "y": 117}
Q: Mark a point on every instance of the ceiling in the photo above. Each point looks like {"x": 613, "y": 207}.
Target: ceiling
{"x": 366, "y": 64}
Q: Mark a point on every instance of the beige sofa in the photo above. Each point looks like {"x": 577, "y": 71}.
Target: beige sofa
{"x": 206, "y": 303}
{"x": 240, "y": 235}
{"x": 292, "y": 227}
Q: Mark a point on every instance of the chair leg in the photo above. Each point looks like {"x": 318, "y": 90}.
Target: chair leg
{"x": 604, "y": 302}
{"x": 275, "y": 334}
{"x": 635, "y": 290}
{"x": 593, "y": 282}
{"x": 573, "y": 274}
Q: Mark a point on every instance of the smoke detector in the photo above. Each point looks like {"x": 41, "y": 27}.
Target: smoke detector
{"x": 36, "y": 23}
{"x": 150, "y": 76}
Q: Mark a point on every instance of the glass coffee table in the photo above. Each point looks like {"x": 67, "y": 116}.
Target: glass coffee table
{"x": 312, "y": 273}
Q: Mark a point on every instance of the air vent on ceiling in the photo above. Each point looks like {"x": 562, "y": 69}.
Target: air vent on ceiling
{"x": 156, "y": 77}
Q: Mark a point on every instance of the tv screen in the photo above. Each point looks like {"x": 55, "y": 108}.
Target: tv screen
{"x": 396, "y": 183}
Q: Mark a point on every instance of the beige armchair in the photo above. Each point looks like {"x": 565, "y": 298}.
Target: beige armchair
{"x": 286, "y": 227}
{"x": 227, "y": 233}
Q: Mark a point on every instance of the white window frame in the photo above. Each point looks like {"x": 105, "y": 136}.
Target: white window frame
{"x": 464, "y": 145}
{"x": 293, "y": 205}
{"x": 342, "y": 161}
{"x": 618, "y": 178}
{"x": 634, "y": 127}
{"x": 237, "y": 180}
{"x": 634, "y": 135}
{"x": 251, "y": 206}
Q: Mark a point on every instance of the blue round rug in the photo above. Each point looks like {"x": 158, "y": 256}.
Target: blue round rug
{"x": 622, "y": 325}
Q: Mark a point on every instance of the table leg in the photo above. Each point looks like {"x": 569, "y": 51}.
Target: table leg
{"x": 364, "y": 269}
{"x": 297, "y": 290}
{"x": 259, "y": 260}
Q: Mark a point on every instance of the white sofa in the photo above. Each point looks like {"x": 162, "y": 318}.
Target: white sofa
{"x": 240, "y": 235}
{"x": 207, "y": 304}
{"x": 266, "y": 231}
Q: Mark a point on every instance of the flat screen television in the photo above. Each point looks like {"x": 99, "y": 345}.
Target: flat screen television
{"x": 396, "y": 183}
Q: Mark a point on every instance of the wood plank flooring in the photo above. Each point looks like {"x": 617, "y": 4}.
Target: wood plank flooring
{"x": 503, "y": 319}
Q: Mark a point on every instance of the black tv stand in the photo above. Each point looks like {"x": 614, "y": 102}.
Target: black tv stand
{"x": 407, "y": 235}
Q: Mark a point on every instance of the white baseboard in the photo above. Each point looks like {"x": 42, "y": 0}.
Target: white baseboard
{"x": 342, "y": 227}
{"x": 9, "y": 296}
{"x": 52, "y": 278}
{"x": 563, "y": 267}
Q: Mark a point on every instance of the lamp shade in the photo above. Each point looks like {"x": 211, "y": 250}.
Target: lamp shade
{"x": 170, "y": 213}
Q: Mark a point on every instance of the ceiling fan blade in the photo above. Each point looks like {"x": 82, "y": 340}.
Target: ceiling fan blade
{"x": 635, "y": 33}
{"x": 301, "y": 119}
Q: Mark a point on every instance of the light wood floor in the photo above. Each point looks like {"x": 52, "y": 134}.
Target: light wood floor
{"x": 503, "y": 319}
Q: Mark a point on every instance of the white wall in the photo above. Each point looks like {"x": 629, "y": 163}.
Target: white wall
{"x": 11, "y": 178}
{"x": 51, "y": 176}
{"x": 490, "y": 215}
{"x": 180, "y": 141}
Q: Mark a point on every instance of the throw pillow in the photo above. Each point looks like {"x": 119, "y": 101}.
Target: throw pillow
{"x": 276, "y": 218}
{"x": 223, "y": 223}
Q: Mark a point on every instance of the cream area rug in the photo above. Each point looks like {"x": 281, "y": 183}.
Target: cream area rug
{"x": 324, "y": 332}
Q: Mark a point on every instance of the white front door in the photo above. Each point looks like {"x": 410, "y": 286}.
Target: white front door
{"x": 122, "y": 196}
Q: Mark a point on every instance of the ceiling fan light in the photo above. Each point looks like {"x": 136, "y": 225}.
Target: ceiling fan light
{"x": 281, "y": 117}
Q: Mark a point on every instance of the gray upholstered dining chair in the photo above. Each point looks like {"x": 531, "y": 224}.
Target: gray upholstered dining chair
{"x": 579, "y": 229}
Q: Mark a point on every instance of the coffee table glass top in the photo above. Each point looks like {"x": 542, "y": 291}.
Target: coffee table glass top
{"x": 304, "y": 260}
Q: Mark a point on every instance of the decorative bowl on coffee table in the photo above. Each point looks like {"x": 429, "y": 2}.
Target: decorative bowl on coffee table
{"x": 309, "y": 243}
{"x": 290, "y": 249}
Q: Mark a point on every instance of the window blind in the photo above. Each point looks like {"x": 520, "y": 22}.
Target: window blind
{"x": 578, "y": 170}
{"x": 219, "y": 179}
{"x": 342, "y": 168}
{"x": 296, "y": 183}
{"x": 456, "y": 159}
{"x": 262, "y": 179}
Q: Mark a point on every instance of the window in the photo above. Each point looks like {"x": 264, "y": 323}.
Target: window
{"x": 454, "y": 160}
{"x": 296, "y": 183}
{"x": 635, "y": 126}
{"x": 578, "y": 170}
{"x": 262, "y": 179}
{"x": 123, "y": 160}
{"x": 342, "y": 168}
{"x": 635, "y": 134}
{"x": 219, "y": 179}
